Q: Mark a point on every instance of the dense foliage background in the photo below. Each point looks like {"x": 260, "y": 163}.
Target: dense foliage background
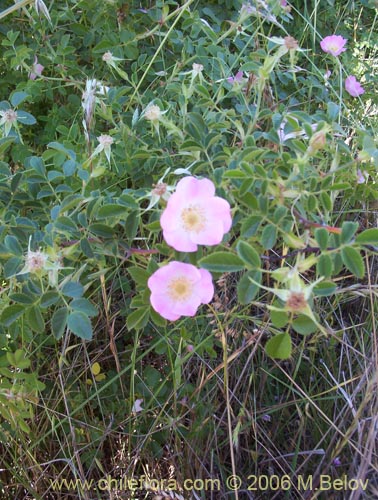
{"x": 94, "y": 383}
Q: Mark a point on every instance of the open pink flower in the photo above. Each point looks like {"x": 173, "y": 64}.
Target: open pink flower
{"x": 36, "y": 69}
{"x": 333, "y": 44}
{"x": 178, "y": 289}
{"x": 195, "y": 216}
{"x": 353, "y": 87}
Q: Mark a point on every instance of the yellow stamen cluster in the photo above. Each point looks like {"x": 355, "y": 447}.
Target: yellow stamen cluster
{"x": 180, "y": 288}
{"x": 193, "y": 218}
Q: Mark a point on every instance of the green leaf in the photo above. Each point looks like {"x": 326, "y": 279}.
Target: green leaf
{"x": 38, "y": 165}
{"x": 23, "y": 298}
{"x": 246, "y": 289}
{"x": 269, "y": 236}
{"x": 12, "y": 266}
{"x": 324, "y": 266}
{"x": 48, "y": 299}
{"x": 139, "y": 275}
{"x": 279, "y": 213}
{"x": 101, "y": 230}
{"x": 65, "y": 224}
{"x": 324, "y": 288}
{"x": 292, "y": 240}
{"x": 250, "y": 201}
{"x": 25, "y": 118}
{"x": 157, "y": 319}
{"x": 348, "y": 230}
{"x": 11, "y": 313}
{"x": 326, "y": 201}
{"x": 35, "y": 319}
{"x": 304, "y": 325}
{"x": 18, "y": 359}
{"x": 234, "y": 174}
{"x": 222, "y": 262}
{"x": 86, "y": 248}
{"x": 138, "y": 319}
{"x": 5, "y": 142}
{"x": 62, "y": 149}
{"x": 59, "y": 322}
{"x": 321, "y": 236}
{"x": 132, "y": 224}
{"x": 353, "y": 261}
{"x": 250, "y": 226}
{"x": 368, "y": 237}
{"x": 279, "y": 318}
{"x": 332, "y": 110}
{"x": 248, "y": 254}
{"x": 128, "y": 201}
{"x": 73, "y": 289}
{"x": 80, "y": 325}
{"x": 279, "y": 346}
{"x": 17, "y": 98}
{"x": 111, "y": 210}
{"x": 85, "y": 306}
{"x": 12, "y": 244}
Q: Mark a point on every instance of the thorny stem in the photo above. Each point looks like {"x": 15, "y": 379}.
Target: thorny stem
{"x": 307, "y": 223}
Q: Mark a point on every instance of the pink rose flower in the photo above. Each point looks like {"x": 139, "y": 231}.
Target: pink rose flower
{"x": 36, "y": 69}
{"x": 194, "y": 216}
{"x": 333, "y": 44}
{"x": 178, "y": 289}
{"x": 353, "y": 87}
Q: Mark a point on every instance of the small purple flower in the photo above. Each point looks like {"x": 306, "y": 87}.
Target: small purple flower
{"x": 353, "y": 87}
{"x": 36, "y": 69}
{"x": 362, "y": 177}
{"x": 237, "y": 79}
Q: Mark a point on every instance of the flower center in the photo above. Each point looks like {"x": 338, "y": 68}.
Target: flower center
{"x": 36, "y": 261}
{"x": 296, "y": 301}
{"x": 152, "y": 113}
{"x": 105, "y": 140}
{"x": 193, "y": 218}
{"x": 10, "y": 115}
{"x": 159, "y": 189}
{"x": 180, "y": 289}
{"x": 290, "y": 43}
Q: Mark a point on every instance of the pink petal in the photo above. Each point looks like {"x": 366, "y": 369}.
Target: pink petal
{"x": 207, "y": 288}
{"x": 220, "y": 208}
{"x": 163, "y": 306}
{"x": 353, "y": 87}
{"x": 38, "y": 68}
{"x": 170, "y": 218}
{"x": 180, "y": 240}
{"x": 190, "y": 187}
{"x": 158, "y": 281}
{"x": 211, "y": 235}
{"x": 187, "y": 308}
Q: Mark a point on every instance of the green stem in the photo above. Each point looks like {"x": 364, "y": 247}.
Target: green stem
{"x": 12, "y": 8}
